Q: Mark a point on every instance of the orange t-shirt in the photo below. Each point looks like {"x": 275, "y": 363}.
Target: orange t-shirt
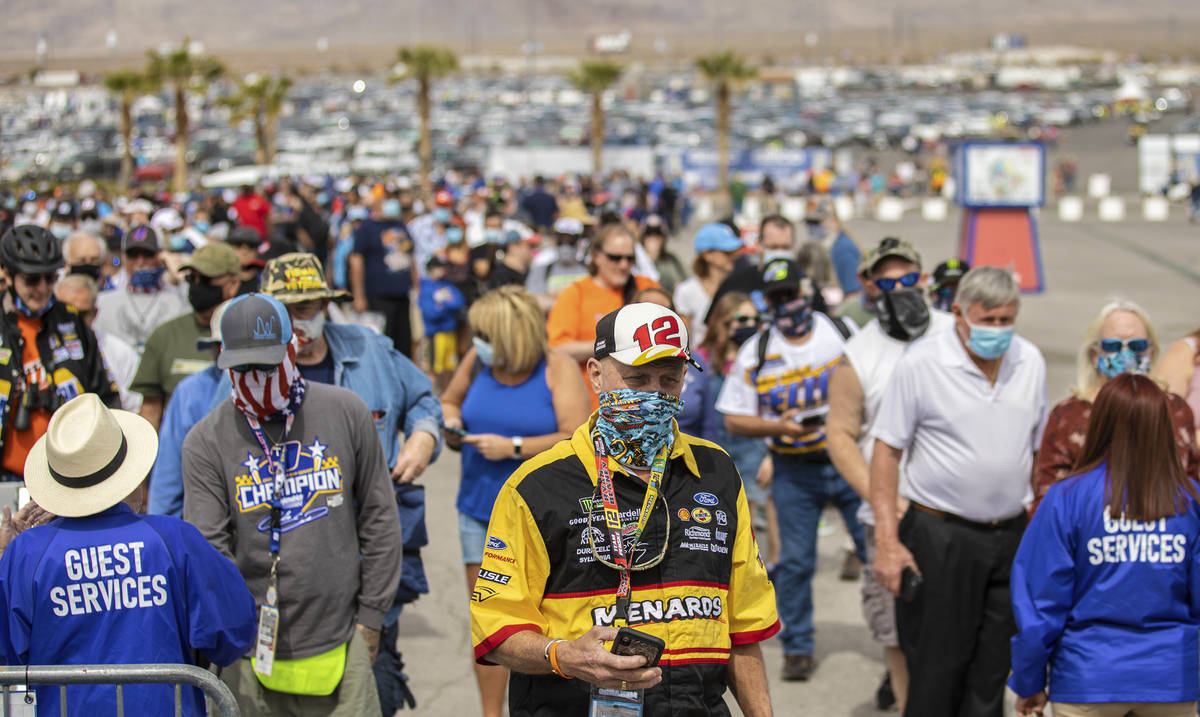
{"x": 18, "y": 443}
{"x": 579, "y": 308}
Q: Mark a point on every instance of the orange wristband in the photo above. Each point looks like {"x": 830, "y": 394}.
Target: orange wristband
{"x": 554, "y": 661}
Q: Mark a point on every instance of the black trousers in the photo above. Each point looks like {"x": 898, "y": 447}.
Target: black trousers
{"x": 398, "y": 326}
{"x": 955, "y": 631}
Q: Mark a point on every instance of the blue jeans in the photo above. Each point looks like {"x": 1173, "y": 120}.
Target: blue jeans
{"x": 800, "y": 491}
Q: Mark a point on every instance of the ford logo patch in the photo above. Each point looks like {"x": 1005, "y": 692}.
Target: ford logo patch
{"x": 494, "y": 543}
{"x": 705, "y": 498}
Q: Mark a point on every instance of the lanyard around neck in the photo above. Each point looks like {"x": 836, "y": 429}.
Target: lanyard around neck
{"x": 622, "y": 558}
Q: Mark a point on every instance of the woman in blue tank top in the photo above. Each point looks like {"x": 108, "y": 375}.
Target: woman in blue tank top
{"x": 511, "y": 398}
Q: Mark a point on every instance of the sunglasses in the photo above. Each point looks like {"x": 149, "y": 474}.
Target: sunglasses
{"x": 742, "y": 319}
{"x": 1112, "y": 346}
{"x": 618, "y": 258}
{"x": 140, "y": 254}
{"x": 35, "y": 279}
{"x": 264, "y": 368}
{"x": 908, "y": 280}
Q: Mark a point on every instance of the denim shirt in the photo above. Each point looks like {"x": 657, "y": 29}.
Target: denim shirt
{"x": 399, "y": 395}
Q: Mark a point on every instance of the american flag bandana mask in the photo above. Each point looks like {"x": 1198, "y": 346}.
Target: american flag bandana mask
{"x": 263, "y": 394}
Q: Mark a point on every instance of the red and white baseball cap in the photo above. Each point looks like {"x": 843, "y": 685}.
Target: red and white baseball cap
{"x": 637, "y": 334}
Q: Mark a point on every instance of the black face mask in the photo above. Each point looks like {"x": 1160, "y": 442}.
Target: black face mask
{"x": 742, "y": 334}
{"x": 203, "y": 297}
{"x": 903, "y": 313}
{"x": 91, "y": 270}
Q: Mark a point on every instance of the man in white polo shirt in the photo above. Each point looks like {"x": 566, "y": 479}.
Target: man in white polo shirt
{"x": 966, "y": 409}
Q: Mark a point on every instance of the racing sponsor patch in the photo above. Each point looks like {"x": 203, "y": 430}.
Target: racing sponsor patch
{"x": 701, "y": 515}
{"x": 494, "y": 577}
{"x": 495, "y": 543}
{"x": 705, "y": 499}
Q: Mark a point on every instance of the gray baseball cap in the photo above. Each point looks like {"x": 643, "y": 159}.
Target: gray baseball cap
{"x": 254, "y": 330}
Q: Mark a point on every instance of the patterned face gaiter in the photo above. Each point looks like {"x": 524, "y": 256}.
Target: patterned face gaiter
{"x": 636, "y": 425}
{"x": 270, "y": 394}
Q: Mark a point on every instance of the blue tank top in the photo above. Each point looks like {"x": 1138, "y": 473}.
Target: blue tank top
{"x": 526, "y": 409}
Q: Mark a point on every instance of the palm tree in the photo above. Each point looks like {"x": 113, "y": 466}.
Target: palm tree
{"x": 425, "y": 63}
{"x": 724, "y": 69}
{"x": 260, "y": 98}
{"x": 182, "y": 72}
{"x": 128, "y": 85}
{"x": 596, "y": 77}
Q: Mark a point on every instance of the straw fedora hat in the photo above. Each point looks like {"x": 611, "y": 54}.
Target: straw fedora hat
{"x": 90, "y": 458}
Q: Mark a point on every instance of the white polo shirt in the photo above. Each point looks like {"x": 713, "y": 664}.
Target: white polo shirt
{"x": 968, "y": 444}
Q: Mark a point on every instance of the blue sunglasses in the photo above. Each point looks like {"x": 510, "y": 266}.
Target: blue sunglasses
{"x": 908, "y": 280}
{"x": 1112, "y": 346}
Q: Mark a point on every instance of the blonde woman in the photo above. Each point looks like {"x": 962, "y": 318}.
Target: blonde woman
{"x": 1179, "y": 369}
{"x": 1119, "y": 340}
{"x": 511, "y": 398}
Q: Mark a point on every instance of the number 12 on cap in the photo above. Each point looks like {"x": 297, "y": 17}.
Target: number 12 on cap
{"x": 665, "y": 331}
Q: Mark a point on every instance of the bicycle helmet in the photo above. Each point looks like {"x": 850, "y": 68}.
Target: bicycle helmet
{"x": 30, "y": 249}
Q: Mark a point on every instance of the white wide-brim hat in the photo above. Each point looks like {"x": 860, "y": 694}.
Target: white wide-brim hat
{"x": 90, "y": 458}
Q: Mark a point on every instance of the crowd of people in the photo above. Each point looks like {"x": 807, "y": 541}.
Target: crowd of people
{"x": 220, "y": 403}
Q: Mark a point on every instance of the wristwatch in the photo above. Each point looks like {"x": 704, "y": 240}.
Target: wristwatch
{"x": 516, "y": 448}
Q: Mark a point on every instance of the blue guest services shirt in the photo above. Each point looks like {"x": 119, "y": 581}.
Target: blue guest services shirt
{"x": 118, "y": 587}
{"x": 1111, "y": 604}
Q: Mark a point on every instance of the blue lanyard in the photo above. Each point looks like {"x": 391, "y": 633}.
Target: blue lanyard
{"x": 276, "y": 469}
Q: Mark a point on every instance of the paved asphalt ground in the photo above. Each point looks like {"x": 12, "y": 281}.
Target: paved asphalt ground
{"x": 1157, "y": 265}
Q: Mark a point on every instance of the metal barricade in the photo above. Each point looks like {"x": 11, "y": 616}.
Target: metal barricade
{"x": 219, "y": 696}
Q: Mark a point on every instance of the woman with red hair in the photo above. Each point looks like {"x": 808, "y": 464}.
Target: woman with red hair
{"x": 1106, "y": 584}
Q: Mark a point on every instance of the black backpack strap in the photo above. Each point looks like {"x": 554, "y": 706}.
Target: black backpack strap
{"x": 628, "y": 291}
{"x": 764, "y": 337}
{"x": 840, "y": 324}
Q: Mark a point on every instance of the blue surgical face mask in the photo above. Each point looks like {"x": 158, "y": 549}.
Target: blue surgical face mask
{"x": 60, "y": 231}
{"x": 989, "y": 342}
{"x": 203, "y": 227}
{"x": 770, "y": 255}
{"x": 483, "y": 350}
{"x": 390, "y": 209}
{"x": 454, "y": 234}
{"x": 441, "y": 215}
{"x": 26, "y": 311}
{"x": 1124, "y": 361}
{"x": 637, "y": 425}
{"x": 178, "y": 243}
{"x": 817, "y": 231}
{"x": 493, "y": 236}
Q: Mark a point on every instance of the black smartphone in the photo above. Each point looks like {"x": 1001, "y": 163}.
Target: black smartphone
{"x": 456, "y": 431}
{"x": 634, "y": 642}
{"x": 910, "y": 582}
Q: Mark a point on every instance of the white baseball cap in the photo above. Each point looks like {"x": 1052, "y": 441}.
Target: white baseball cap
{"x": 637, "y": 334}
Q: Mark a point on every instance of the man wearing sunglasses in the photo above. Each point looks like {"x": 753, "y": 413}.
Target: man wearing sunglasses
{"x": 779, "y": 390}
{"x": 48, "y": 355}
{"x": 630, "y": 523}
{"x": 965, "y": 409}
{"x": 893, "y": 284}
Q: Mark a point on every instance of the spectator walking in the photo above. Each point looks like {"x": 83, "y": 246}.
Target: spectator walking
{"x": 171, "y": 352}
{"x": 81, "y": 292}
{"x": 56, "y": 354}
{"x": 287, "y": 478}
{"x": 381, "y": 274}
{"x": 778, "y": 389}
{"x": 610, "y": 285}
{"x": 895, "y": 287}
{"x": 1119, "y": 340}
{"x": 1179, "y": 368}
{"x": 144, "y": 303}
{"x": 551, "y": 605}
{"x": 715, "y": 246}
{"x": 153, "y": 590}
{"x": 513, "y": 398}
{"x": 654, "y": 240}
{"x": 442, "y": 306}
{"x": 1107, "y": 600}
{"x": 967, "y": 406}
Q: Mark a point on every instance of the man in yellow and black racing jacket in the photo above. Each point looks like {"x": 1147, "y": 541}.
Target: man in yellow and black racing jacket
{"x": 48, "y": 355}
{"x": 552, "y": 591}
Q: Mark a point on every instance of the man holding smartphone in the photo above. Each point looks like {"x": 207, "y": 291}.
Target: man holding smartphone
{"x": 629, "y": 524}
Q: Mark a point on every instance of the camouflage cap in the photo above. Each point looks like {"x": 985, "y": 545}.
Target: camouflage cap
{"x": 888, "y": 247}
{"x": 213, "y": 259}
{"x": 297, "y": 277}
